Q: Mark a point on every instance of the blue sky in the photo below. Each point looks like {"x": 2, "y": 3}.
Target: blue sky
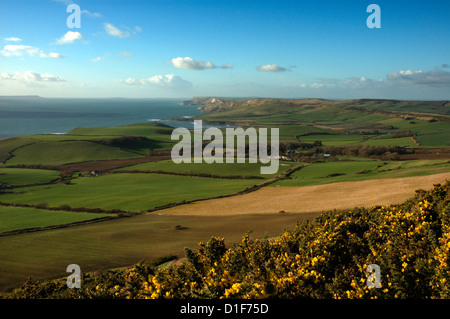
{"x": 288, "y": 49}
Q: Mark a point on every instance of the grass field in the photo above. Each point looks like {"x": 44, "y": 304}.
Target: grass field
{"x": 14, "y": 218}
{"x": 65, "y": 152}
{"x": 83, "y": 144}
{"x": 218, "y": 169}
{"x": 9, "y": 144}
{"x": 345, "y": 183}
{"x": 158, "y": 133}
{"x": 347, "y": 171}
{"x": 294, "y": 118}
{"x": 123, "y": 242}
{"x": 21, "y": 176}
{"x": 337, "y": 139}
{"x": 129, "y": 192}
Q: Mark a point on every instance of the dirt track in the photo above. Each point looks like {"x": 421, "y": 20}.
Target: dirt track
{"x": 317, "y": 198}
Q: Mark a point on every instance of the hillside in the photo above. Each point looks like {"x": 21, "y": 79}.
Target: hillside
{"x": 327, "y": 258}
{"x": 113, "y": 185}
{"x": 343, "y": 122}
{"x": 212, "y": 104}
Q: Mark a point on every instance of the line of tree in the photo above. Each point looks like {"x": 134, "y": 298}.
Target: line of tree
{"x": 124, "y": 141}
{"x": 67, "y": 208}
{"x": 339, "y": 150}
{"x": 187, "y": 174}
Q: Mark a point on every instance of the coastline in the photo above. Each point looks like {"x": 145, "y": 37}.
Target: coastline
{"x": 31, "y": 116}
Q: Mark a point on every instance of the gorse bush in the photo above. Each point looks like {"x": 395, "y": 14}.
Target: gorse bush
{"x": 326, "y": 258}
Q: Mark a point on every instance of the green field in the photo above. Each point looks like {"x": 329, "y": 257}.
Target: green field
{"x": 340, "y": 117}
{"x": 129, "y": 192}
{"x": 84, "y": 144}
{"x": 216, "y": 169}
{"x": 158, "y": 133}
{"x": 359, "y": 170}
{"x": 14, "y": 218}
{"x": 10, "y": 144}
{"x": 22, "y": 176}
{"x": 142, "y": 187}
{"x": 400, "y": 141}
{"x": 52, "y": 153}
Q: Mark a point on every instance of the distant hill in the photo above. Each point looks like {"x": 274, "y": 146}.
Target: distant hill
{"x": 20, "y": 97}
{"x": 364, "y": 121}
{"x": 212, "y": 104}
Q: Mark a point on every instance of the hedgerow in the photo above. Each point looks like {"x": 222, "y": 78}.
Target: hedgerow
{"x": 325, "y": 258}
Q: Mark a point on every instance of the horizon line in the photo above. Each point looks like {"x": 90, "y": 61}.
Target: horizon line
{"x": 31, "y": 96}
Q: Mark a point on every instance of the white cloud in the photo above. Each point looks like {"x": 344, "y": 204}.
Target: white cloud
{"x": 433, "y": 78}
{"x": 52, "y": 55}
{"x": 70, "y": 37}
{"x": 399, "y": 79}
{"x": 66, "y": 2}
{"x": 126, "y": 53}
{"x": 20, "y": 50}
{"x": 401, "y": 73}
{"x": 227, "y": 66}
{"x": 160, "y": 81}
{"x": 271, "y": 68}
{"x": 97, "y": 59}
{"x": 112, "y": 30}
{"x": 316, "y": 85}
{"x": 30, "y": 76}
{"x": 91, "y": 14}
{"x": 13, "y": 39}
{"x": 138, "y": 28}
{"x": 348, "y": 83}
{"x": 189, "y": 63}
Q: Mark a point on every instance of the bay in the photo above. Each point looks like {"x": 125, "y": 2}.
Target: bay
{"x": 34, "y": 115}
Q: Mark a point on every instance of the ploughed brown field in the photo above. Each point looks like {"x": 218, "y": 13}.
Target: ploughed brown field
{"x": 316, "y": 198}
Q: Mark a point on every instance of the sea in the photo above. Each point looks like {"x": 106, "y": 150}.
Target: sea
{"x": 36, "y": 115}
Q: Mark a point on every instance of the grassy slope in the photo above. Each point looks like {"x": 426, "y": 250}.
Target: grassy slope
{"x": 320, "y": 173}
{"x": 139, "y": 192}
{"x": 59, "y": 149}
{"x": 19, "y": 176}
{"x": 121, "y": 242}
{"x": 13, "y": 218}
{"x": 158, "y": 133}
{"x": 9, "y": 144}
{"x": 78, "y": 145}
{"x": 437, "y": 107}
{"x": 131, "y": 192}
{"x": 341, "y": 116}
{"x": 303, "y": 261}
{"x": 219, "y": 169}
{"x": 65, "y": 152}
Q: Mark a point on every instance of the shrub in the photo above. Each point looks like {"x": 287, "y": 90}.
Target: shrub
{"x": 124, "y": 141}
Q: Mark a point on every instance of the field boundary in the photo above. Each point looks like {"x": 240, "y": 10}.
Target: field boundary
{"x": 248, "y": 190}
{"x": 116, "y": 163}
{"x": 59, "y": 226}
{"x": 10, "y": 152}
{"x": 120, "y": 214}
{"x": 315, "y": 198}
{"x": 118, "y": 171}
